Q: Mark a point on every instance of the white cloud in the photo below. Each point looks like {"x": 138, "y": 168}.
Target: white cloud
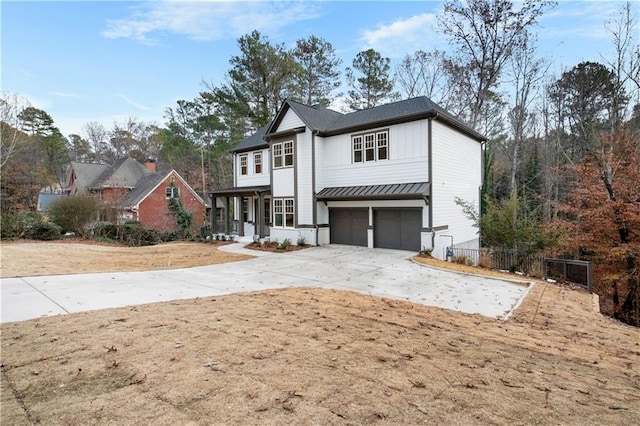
{"x": 68, "y": 95}
{"x": 206, "y": 20}
{"x": 403, "y": 36}
{"x": 132, "y": 102}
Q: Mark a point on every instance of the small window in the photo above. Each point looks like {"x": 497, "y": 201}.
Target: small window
{"x": 257, "y": 162}
{"x": 357, "y": 149}
{"x": 277, "y": 155}
{"x": 243, "y": 164}
{"x": 172, "y": 192}
{"x": 277, "y": 212}
{"x": 383, "y": 152}
{"x": 369, "y": 147}
{"x": 288, "y": 153}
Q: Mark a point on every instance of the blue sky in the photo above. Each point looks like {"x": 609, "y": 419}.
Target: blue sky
{"x": 100, "y": 61}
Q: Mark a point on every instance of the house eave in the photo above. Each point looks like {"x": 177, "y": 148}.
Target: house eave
{"x": 285, "y": 133}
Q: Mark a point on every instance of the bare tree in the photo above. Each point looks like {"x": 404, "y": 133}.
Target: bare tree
{"x": 11, "y": 105}
{"x": 423, "y": 74}
{"x": 485, "y": 34}
{"x": 527, "y": 71}
{"x": 96, "y": 135}
{"x": 626, "y": 61}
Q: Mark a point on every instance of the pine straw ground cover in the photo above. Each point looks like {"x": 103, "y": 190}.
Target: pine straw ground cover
{"x": 311, "y": 356}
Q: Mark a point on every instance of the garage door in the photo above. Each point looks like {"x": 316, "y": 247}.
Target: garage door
{"x": 397, "y": 228}
{"x": 349, "y": 226}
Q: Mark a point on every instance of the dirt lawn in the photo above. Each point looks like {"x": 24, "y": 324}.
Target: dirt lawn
{"x": 312, "y": 356}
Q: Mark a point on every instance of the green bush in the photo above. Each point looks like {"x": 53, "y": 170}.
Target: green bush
{"x": 137, "y": 235}
{"x": 11, "y": 227}
{"x": 44, "y": 231}
{"x": 73, "y": 214}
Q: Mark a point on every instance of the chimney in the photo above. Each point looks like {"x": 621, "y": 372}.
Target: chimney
{"x": 150, "y": 164}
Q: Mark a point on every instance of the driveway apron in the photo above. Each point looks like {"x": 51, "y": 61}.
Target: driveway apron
{"x": 376, "y": 272}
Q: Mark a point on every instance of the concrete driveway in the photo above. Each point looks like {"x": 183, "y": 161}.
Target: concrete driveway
{"x": 377, "y": 272}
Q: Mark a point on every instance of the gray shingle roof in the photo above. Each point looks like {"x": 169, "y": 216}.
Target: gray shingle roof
{"x": 125, "y": 172}
{"x": 143, "y": 187}
{"x": 328, "y": 122}
{"x": 86, "y": 174}
{"x": 254, "y": 141}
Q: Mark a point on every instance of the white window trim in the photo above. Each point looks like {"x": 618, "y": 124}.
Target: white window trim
{"x": 171, "y": 191}
{"x": 282, "y": 150}
{"x": 284, "y": 207}
{"x": 360, "y": 140}
{"x": 244, "y": 162}
{"x": 257, "y": 161}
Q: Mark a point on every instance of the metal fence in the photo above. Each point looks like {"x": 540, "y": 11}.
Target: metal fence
{"x": 504, "y": 260}
{"x": 567, "y": 270}
{"x": 574, "y": 271}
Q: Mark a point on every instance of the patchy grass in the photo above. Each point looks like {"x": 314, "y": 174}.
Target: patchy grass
{"x": 308, "y": 356}
{"x": 30, "y": 258}
{"x": 313, "y": 356}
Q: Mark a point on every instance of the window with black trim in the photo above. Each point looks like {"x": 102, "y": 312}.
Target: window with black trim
{"x": 282, "y": 154}
{"x": 372, "y": 146}
{"x": 243, "y": 164}
{"x": 257, "y": 162}
{"x": 284, "y": 212}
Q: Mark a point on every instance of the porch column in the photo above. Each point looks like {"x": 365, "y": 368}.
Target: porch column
{"x": 260, "y": 214}
{"x": 227, "y": 212}
{"x": 241, "y": 216}
{"x": 212, "y": 213}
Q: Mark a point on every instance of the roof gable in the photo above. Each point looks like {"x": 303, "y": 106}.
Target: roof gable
{"x": 327, "y": 122}
{"x": 85, "y": 174}
{"x": 149, "y": 183}
{"x": 126, "y": 172}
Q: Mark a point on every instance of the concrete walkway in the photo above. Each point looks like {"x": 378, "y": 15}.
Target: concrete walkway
{"x": 377, "y": 272}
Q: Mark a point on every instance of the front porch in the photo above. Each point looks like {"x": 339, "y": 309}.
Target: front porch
{"x": 245, "y": 211}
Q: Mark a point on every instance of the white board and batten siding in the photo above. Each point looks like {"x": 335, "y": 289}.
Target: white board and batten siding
{"x": 457, "y": 172}
{"x": 289, "y": 121}
{"x": 304, "y": 170}
{"x": 252, "y": 178}
{"x": 407, "y": 163}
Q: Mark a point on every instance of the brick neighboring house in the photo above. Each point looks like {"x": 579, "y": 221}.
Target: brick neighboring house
{"x": 138, "y": 191}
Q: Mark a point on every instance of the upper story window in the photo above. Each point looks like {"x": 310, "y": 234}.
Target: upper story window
{"x": 257, "y": 162}
{"x": 372, "y": 146}
{"x": 243, "y": 164}
{"x": 172, "y": 192}
{"x": 282, "y": 154}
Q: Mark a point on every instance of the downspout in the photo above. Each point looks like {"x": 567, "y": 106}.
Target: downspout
{"x": 430, "y": 178}
{"x": 314, "y": 206}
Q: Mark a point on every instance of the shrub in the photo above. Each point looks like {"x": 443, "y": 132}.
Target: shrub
{"x": 136, "y": 235}
{"x": 302, "y": 241}
{"x": 462, "y": 260}
{"x": 44, "y": 231}
{"x": 73, "y": 214}
{"x": 426, "y": 252}
{"x": 11, "y": 227}
{"x": 284, "y": 244}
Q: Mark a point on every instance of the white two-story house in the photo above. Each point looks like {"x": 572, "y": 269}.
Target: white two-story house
{"x": 383, "y": 177}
